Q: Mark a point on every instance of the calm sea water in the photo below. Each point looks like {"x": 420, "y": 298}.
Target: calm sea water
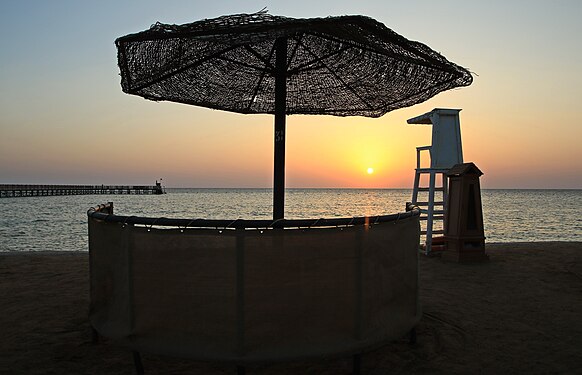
{"x": 60, "y": 223}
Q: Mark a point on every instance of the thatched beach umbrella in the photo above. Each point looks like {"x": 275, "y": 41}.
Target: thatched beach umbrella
{"x": 260, "y": 63}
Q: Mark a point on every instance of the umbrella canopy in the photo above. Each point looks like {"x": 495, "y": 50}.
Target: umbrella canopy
{"x": 260, "y": 63}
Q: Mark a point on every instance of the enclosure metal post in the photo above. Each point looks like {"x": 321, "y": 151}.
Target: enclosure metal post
{"x": 94, "y": 336}
{"x": 412, "y": 337}
{"x": 280, "y": 112}
{"x": 138, "y": 363}
{"x": 240, "y": 291}
{"x": 356, "y": 364}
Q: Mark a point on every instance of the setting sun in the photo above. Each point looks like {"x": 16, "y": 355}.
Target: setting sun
{"x": 370, "y": 170}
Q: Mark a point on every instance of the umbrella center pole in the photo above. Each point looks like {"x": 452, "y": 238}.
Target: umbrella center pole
{"x": 280, "y": 114}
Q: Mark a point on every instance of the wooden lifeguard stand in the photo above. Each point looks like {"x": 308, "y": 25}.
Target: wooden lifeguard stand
{"x": 445, "y": 151}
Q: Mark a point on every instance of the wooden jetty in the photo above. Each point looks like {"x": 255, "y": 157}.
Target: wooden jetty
{"x": 10, "y": 191}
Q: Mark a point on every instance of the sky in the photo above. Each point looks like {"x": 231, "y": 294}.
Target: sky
{"x": 65, "y": 120}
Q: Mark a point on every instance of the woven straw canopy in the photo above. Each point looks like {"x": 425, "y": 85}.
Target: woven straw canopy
{"x": 343, "y": 66}
{"x": 260, "y": 63}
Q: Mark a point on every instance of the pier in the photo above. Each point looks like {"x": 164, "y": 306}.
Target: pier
{"x": 11, "y": 191}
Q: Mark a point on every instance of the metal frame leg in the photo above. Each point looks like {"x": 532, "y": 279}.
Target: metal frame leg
{"x": 94, "y": 336}
{"x": 137, "y": 362}
{"x": 412, "y": 338}
{"x": 240, "y": 370}
{"x": 357, "y": 364}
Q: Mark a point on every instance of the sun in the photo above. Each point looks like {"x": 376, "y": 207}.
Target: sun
{"x": 370, "y": 170}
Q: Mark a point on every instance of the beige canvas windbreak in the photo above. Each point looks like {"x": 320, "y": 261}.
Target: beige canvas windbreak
{"x": 254, "y": 295}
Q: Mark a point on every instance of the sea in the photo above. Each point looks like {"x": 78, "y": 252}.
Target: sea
{"x": 59, "y": 223}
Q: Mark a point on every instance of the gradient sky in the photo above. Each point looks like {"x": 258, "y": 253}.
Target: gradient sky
{"x": 64, "y": 118}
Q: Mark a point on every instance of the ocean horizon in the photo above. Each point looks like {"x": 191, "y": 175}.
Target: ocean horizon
{"x": 59, "y": 223}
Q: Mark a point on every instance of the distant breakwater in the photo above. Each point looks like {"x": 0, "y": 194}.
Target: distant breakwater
{"x": 18, "y": 190}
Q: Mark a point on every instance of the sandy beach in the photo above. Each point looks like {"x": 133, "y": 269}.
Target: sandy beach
{"x": 518, "y": 313}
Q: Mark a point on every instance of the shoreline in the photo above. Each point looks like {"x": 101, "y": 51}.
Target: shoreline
{"x": 488, "y": 245}
{"x": 518, "y": 313}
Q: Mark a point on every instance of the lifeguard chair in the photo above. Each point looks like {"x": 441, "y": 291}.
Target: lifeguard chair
{"x": 444, "y": 152}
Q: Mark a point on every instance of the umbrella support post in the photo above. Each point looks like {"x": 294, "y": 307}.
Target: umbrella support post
{"x": 280, "y": 114}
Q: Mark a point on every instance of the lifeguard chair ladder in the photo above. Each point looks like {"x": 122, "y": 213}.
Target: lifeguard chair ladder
{"x": 444, "y": 152}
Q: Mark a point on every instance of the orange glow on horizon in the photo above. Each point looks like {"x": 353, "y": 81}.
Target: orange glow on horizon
{"x": 69, "y": 122}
